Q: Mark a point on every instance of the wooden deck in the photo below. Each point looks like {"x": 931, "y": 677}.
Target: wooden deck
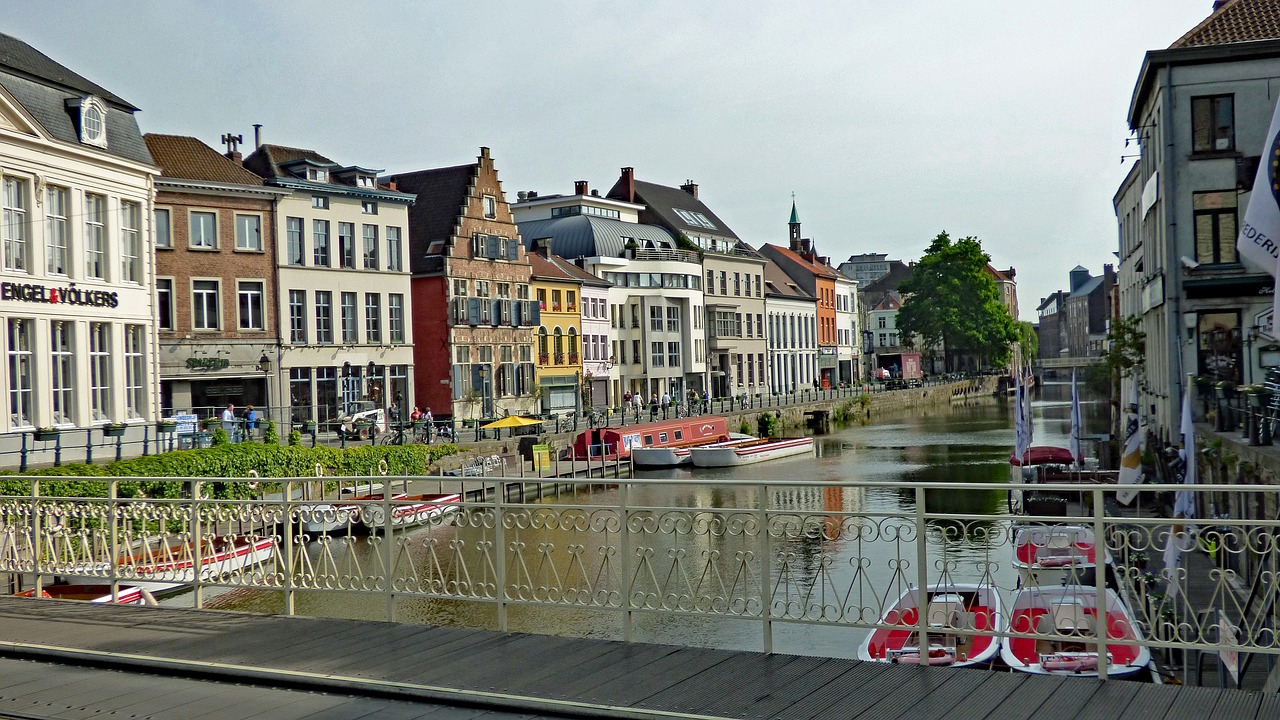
{"x": 454, "y": 673}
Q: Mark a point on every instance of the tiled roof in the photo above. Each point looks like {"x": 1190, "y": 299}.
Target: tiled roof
{"x": 821, "y": 271}
{"x": 26, "y": 60}
{"x": 569, "y": 268}
{"x": 267, "y": 159}
{"x": 187, "y": 158}
{"x": 442, "y": 198}
{"x": 1236, "y": 21}
{"x": 545, "y": 269}
{"x": 780, "y": 284}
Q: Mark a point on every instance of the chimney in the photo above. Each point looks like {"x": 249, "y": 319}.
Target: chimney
{"x": 484, "y": 154}
{"x": 391, "y": 185}
{"x": 690, "y": 188}
{"x": 257, "y": 135}
{"x": 580, "y": 187}
{"x": 233, "y": 146}
{"x": 522, "y": 195}
{"x": 533, "y": 195}
{"x": 629, "y": 184}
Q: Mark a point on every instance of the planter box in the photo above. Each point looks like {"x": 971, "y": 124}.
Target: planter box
{"x": 167, "y": 427}
{"x": 47, "y": 435}
{"x": 309, "y": 427}
{"x": 113, "y": 430}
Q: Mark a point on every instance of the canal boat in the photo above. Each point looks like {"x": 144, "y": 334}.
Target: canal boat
{"x": 125, "y": 594}
{"x": 614, "y": 443}
{"x": 1065, "y": 619}
{"x": 962, "y": 618}
{"x": 409, "y": 510}
{"x": 162, "y": 564}
{"x": 341, "y": 516}
{"x": 748, "y": 452}
{"x": 1047, "y": 555}
{"x": 674, "y": 455}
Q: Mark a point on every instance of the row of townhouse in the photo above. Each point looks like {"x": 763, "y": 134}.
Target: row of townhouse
{"x": 146, "y": 276}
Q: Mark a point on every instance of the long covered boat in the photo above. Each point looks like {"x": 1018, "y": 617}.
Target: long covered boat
{"x": 125, "y": 594}
{"x": 611, "y": 443}
{"x": 407, "y": 510}
{"x": 159, "y": 564}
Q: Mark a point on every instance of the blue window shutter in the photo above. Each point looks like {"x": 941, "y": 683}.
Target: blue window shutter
{"x": 537, "y": 313}
{"x": 495, "y": 312}
{"x": 473, "y": 311}
{"x": 513, "y": 249}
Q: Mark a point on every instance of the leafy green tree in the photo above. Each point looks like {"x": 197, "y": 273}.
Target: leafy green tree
{"x": 1029, "y": 341}
{"x": 951, "y": 302}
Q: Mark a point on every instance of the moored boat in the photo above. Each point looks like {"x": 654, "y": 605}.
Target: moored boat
{"x": 342, "y": 516}
{"x": 613, "y": 443}
{"x": 1047, "y": 555}
{"x": 747, "y": 452}
{"x": 675, "y": 455}
{"x": 1066, "y": 625}
{"x": 160, "y": 564}
{"x": 408, "y": 510}
{"x": 125, "y": 594}
{"x": 962, "y": 618}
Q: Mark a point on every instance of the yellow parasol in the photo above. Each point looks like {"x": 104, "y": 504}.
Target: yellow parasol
{"x": 512, "y": 421}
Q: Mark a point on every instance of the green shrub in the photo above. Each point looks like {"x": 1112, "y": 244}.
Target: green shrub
{"x": 744, "y": 428}
{"x": 295, "y": 438}
{"x": 224, "y": 461}
{"x": 271, "y": 435}
{"x": 220, "y": 437}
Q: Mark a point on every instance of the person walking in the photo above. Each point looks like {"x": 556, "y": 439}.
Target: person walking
{"x": 250, "y": 422}
{"x": 666, "y": 403}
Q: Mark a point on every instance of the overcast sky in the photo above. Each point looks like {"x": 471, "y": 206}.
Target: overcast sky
{"x": 890, "y": 121}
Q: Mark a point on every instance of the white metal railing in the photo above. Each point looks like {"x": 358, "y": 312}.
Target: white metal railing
{"x": 834, "y": 554}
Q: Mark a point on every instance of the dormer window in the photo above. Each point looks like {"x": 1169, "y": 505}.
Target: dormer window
{"x": 93, "y": 122}
{"x": 317, "y": 175}
{"x": 365, "y": 181}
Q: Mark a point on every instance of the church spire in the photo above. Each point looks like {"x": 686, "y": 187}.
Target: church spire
{"x": 794, "y": 224}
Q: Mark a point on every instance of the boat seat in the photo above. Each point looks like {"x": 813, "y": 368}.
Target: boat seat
{"x": 1058, "y": 542}
{"x": 1070, "y": 618}
{"x": 947, "y": 611}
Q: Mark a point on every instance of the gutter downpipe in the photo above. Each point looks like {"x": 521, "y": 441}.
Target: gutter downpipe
{"x": 1170, "y": 269}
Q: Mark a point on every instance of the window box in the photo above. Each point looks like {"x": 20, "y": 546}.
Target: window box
{"x": 114, "y": 430}
{"x": 559, "y": 358}
{"x": 46, "y": 434}
{"x": 309, "y": 427}
{"x": 573, "y": 359}
{"x": 166, "y": 426}
{"x": 209, "y": 423}
{"x": 544, "y": 359}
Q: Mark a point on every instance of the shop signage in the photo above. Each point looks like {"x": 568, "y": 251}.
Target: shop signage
{"x": 1230, "y": 287}
{"x": 70, "y": 295}
{"x": 208, "y": 363}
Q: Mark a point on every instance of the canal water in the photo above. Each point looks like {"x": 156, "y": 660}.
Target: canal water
{"x": 961, "y": 443}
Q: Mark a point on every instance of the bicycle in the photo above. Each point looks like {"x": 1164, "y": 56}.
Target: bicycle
{"x": 396, "y": 436}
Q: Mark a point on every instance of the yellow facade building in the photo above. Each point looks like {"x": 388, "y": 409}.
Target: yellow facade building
{"x": 557, "y": 343}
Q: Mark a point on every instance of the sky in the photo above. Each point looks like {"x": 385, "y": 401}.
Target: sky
{"x": 890, "y": 121}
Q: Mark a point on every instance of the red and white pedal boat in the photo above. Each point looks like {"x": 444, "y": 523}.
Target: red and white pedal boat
{"x": 125, "y": 594}
{"x": 1049, "y": 555}
{"x": 1066, "y": 619}
{"x": 748, "y": 452}
{"x": 408, "y": 510}
{"x": 160, "y": 564}
{"x": 962, "y": 618}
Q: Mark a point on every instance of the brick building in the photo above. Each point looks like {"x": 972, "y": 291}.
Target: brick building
{"x": 215, "y": 279}
{"x": 473, "y": 310}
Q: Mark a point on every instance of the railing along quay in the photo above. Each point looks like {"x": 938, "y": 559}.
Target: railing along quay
{"x": 783, "y": 552}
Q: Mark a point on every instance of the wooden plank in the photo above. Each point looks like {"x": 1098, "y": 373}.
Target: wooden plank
{"x": 1110, "y": 700}
{"x": 549, "y": 671}
{"x": 722, "y": 690}
{"x": 994, "y": 692}
{"x": 490, "y": 670}
{"x": 1194, "y": 703}
{"x": 624, "y": 662}
{"x": 1236, "y": 704}
{"x": 898, "y": 690}
{"x": 635, "y": 689}
{"x": 1269, "y": 708}
{"x": 957, "y": 685}
{"x": 854, "y": 686}
{"x": 779, "y": 690}
{"x": 1027, "y": 699}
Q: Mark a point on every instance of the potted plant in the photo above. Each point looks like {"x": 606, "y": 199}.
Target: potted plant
{"x": 114, "y": 430}
{"x": 47, "y": 433}
{"x": 167, "y": 425}
{"x": 309, "y": 427}
{"x": 1258, "y": 395}
{"x": 209, "y": 423}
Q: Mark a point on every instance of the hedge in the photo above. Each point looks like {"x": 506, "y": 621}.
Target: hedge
{"x": 226, "y": 461}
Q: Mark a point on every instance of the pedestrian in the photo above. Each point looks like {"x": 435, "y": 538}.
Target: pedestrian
{"x": 229, "y": 421}
{"x": 250, "y": 421}
{"x": 430, "y": 428}
{"x": 666, "y": 402}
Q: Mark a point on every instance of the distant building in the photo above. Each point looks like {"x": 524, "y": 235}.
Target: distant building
{"x": 1051, "y": 328}
{"x": 559, "y": 358}
{"x": 791, "y": 331}
{"x": 867, "y": 268}
{"x": 472, "y": 298}
{"x": 1088, "y": 311}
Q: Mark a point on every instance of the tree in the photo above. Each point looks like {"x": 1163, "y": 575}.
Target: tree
{"x": 951, "y": 302}
{"x": 1029, "y": 341}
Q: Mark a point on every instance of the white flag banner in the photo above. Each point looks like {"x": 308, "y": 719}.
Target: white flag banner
{"x": 1075, "y": 422}
{"x": 1181, "y": 536}
{"x": 1021, "y": 440}
{"x": 1259, "y": 239}
{"x": 1131, "y": 456}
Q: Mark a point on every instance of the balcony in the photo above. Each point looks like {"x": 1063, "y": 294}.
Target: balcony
{"x": 669, "y": 255}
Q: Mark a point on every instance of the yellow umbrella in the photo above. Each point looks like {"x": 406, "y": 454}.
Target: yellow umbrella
{"x": 512, "y": 421}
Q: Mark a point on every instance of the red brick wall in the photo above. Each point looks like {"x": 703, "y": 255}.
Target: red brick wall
{"x": 431, "y": 354}
{"x": 181, "y": 263}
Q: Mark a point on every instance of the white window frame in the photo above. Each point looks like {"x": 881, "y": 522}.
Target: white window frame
{"x": 369, "y": 246}
{"x": 130, "y": 242}
{"x": 62, "y": 377}
{"x": 95, "y": 237}
{"x": 163, "y": 228}
{"x": 352, "y": 337}
{"x": 20, "y": 366}
{"x": 217, "y": 296}
{"x": 57, "y": 232}
{"x": 17, "y": 238}
{"x": 244, "y": 244}
{"x": 245, "y": 290}
{"x": 320, "y": 239}
{"x": 93, "y": 130}
{"x": 99, "y": 372}
{"x": 297, "y": 300}
{"x": 373, "y": 318}
{"x": 324, "y": 316}
{"x": 395, "y": 249}
{"x": 490, "y": 205}
{"x": 135, "y": 372}
{"x": 191, "y": 230}
{"x": 395, "y": 318}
